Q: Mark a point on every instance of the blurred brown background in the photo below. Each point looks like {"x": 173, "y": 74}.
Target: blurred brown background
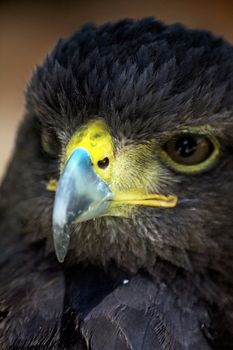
{"x": 28, "y": 29}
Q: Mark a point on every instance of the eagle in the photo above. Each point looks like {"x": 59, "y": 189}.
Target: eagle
{"x": 116, "y": 215}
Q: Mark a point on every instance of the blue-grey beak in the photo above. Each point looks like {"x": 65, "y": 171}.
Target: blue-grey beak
{"x": 81, "y": 195}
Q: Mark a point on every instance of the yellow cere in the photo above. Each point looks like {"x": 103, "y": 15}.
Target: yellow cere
{"x": 96, "y": 139}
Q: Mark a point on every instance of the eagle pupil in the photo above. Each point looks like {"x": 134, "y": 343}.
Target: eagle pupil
{"x": 103, "y": 164}
{"x": 186, "y": 146}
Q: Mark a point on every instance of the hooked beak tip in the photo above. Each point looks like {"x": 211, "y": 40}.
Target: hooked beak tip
{"x": 61, "y": 236}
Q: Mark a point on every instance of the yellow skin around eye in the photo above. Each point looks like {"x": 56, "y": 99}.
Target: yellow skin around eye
{"x": 193, "y": 169}
{"x": 95, "y": 138}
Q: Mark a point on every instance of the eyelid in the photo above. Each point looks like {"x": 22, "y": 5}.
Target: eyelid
{"x": 206, "y": 130}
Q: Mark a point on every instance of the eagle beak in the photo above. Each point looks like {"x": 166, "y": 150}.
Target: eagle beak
{"x": 81, "y": 195}
{"x": 95, "y": 182}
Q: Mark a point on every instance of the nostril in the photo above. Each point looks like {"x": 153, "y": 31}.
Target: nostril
{"x": 104, "y": 163}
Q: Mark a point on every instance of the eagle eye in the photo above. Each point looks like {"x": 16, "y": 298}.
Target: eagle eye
{"x": 50, "y": 143}
{"x": 190, "y": 152}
